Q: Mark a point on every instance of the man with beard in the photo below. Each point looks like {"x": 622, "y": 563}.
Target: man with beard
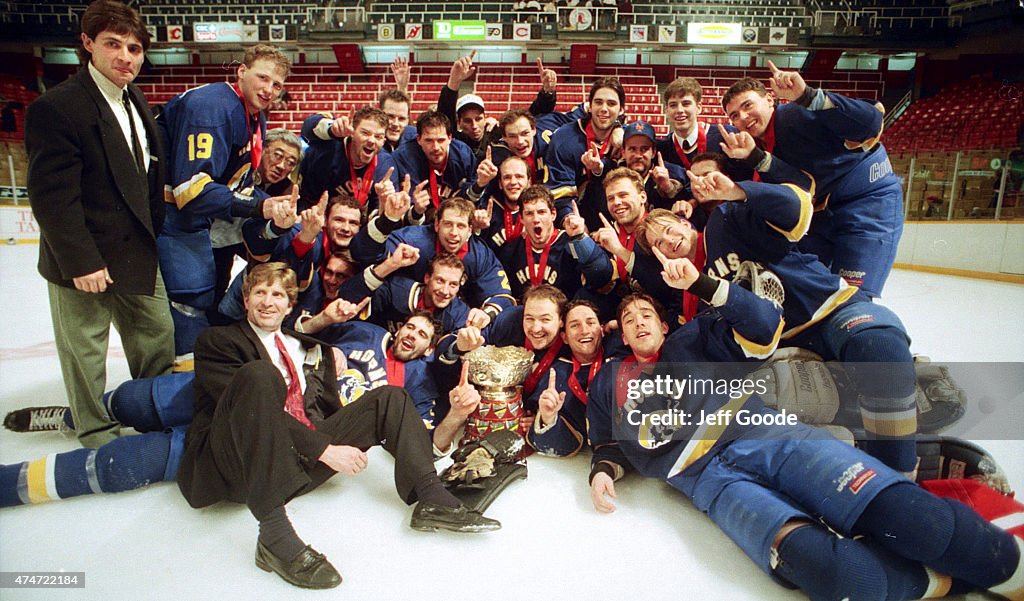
{"x": 665, "y": 184}
{"x": 215, "y": 146}
{"x": 486, "y": 285}
{"x": 541, "y": 255}
{"x": 836, "y": 140}
{"x": 473, "y": 126}
{"x": 809, "y": 510}
{"x": 762, "y": 222}
{"x": 351, "y": 163}
{"x": 580, "y": 152}
{"x": 625, "y": 269}
{"x": 264, "y": 432}
{"x": 435, "y": 163}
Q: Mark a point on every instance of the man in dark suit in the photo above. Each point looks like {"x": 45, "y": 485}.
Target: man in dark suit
{"x": 265, "y": 431}
{"x": 95, "y": 184}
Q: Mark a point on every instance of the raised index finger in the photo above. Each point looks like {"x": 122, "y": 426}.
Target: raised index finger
{"x": 661, "y": 160}
{"x": 660, "y": 256}
{"x": 540, "y": 66}
{"x": 604, "y": 220}
{"x": 487, "y": 153}
{"x": 387, "y": 176}
{"x": 771, "y": 67}
{"x": 551, "y": 380}
{"x": 464, "y": 376}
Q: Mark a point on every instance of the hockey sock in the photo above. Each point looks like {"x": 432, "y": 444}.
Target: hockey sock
{"x": 943, "y": 534}
{"x": 131, "y": 404}
{"x": 882, "y": 368}
{"x": 278, "y": 535}
{"x": 123, "y": 464}
{"x": 430, "y": 490}
{"x": 828, "y": 567}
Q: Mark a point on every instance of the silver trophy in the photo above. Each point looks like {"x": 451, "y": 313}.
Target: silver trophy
{"x": 498, "y": 373}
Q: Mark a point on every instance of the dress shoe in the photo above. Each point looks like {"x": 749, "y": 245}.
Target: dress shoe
{"x": 431, "y": 516}
{"x": 309, "y": 569}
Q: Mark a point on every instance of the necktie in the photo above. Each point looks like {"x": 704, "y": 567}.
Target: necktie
{"x": 293, "y": 403}
{"x": 136, "y": 145}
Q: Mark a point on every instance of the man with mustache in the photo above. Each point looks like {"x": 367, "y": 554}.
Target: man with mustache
{"x": 665, "y": 184}
{"x": 351, "y": 163}
{"x": 580, "y": 152}
{"x": 282, "y": 152}
{"x": 859, "y": 210}
{"x": 215, "y": 146}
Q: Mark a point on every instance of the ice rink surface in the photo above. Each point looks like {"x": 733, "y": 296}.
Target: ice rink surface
{"x": 149, "y": 544}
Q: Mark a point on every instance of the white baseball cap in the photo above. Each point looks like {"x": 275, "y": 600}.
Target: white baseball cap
{"x": 469, "y": 100}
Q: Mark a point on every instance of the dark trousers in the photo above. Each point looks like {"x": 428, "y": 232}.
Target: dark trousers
{"x": 255, "y": 444}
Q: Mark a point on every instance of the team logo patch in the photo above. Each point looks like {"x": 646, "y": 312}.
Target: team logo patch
{"x": 855, "y": 477}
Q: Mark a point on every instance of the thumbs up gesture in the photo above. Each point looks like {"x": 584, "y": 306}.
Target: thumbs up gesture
{"x": 486, "y": 171}
{"x": 550, "y": 402}
{"x": 787, "y": 85}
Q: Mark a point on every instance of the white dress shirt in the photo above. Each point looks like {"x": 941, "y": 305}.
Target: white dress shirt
{"x": 113, "y": 95}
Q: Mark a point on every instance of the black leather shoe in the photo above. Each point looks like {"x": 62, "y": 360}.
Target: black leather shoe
{"x": 430, "y": 516}
{"x": 309, "y": 569}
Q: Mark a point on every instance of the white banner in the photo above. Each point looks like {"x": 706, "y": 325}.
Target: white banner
{"x": 521, "y": 31}
{"x": 714, "y": 33}
{"x": 667, "y": 34}
{"x": 637, "y": 33}
{"x": 494, "y": 31}
{"x": 414, "y": 31}
{"x": 175, "y": 33}
{"x": 18, "y": 223}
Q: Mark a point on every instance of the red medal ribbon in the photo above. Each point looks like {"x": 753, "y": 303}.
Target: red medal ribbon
{"x": 255, "y": 138}
{"x": 702, "y": 145}
{"x": 627, "y": 240}
{"x": 630, "y": 370}
{"x": 766, "y": 142}
{"x": 691, "y": 302}
{"x": 592, "y": 138}
{"x": 545, "y": 364}
{"x": 361, "y": 186}
{"x": 395, "y": 369}
{"x": 462, "y": 251}
{"x": 537, "y": 275}
{"x": 435, "y": 194}
{"x": 513, "y": 226}
{"x": 574, "y": 383}
{"x": 531, "y": 165}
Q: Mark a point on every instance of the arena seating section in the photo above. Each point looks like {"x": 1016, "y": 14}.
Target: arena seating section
{"x": 324, "y": 88}
{"x": 975, "y": 114}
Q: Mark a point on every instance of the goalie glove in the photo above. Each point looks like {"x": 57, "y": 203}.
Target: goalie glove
{"x": 949, "y": 458}
{"x": 476, "y": 460}
{"x": 940, "y": 402}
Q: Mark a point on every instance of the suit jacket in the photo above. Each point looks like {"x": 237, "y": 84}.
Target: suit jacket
{"x": 94, "y": 208}
{"x": 219, "y": 353}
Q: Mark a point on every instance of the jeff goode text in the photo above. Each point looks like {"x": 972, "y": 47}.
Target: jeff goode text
{"x": 721, "y": 417}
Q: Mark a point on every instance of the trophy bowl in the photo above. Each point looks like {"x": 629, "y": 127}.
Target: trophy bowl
{"x": 496, "y": 368}
{"x": 498, "y": 373}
